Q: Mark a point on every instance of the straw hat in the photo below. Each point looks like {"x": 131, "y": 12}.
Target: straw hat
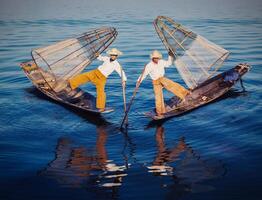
{"x": 156, "y": 54}
{"x": 114, "y": 51}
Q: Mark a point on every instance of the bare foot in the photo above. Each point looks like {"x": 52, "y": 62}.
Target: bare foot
{"x": 101, "y": 109}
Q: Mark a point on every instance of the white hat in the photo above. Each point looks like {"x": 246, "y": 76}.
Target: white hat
{"x": 156, "y": 54}
{"x": 114, "y": 51}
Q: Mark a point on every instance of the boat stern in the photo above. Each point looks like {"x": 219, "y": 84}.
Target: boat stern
{"x": 242, "y": 68}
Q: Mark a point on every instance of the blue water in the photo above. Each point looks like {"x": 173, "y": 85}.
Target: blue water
{"x": 48, "y": 151}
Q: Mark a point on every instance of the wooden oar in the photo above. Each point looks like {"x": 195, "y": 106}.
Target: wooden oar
{"x": 124, "y": 94}
{"x": 132, "y": 98}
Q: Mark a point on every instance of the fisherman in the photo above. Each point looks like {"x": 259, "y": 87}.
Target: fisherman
{"x": 156, "y": 69}
{"x": 99, "y": 76}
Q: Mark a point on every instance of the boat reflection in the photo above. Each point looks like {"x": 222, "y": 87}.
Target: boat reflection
{"x": 181, "y": 169}
{"x": 85, "y": 167}
{"x": 189, "y": 172}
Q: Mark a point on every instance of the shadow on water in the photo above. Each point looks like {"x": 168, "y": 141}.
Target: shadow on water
{"x": 98, "y": 120}
{"x": 232, "y": 93}
{"x": 90, "y": 168}
{"x": 187, "y": 169}
{"x": 94, "y": 118}
{"x": 87, "y": 167}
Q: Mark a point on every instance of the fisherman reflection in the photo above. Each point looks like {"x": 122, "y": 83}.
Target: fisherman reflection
{"x": 165, "y": 156}
{"x": 186, "y": 168}
{"x": 85, "y": 167}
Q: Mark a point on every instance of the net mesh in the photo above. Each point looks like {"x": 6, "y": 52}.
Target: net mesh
{"x": 196, "y": 58}
{"x": 68, "y": 58}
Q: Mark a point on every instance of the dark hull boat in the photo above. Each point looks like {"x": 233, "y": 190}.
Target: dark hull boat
{"x": 197, "y": 61}
{"x": 53, "y": 65}
{"x": 205, "y": 93}
{"x": 78, "y": 99}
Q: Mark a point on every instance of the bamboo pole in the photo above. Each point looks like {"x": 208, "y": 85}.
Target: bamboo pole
{"x": 124, "y": 94}
{"x": 132, "y": 98}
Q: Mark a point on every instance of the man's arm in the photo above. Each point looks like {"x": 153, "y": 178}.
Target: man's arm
{"x": 121, "y": 72}
{"x": 144, "y": 74}
{"x": 102, "y": 58}
{"x": 170, "y": 60}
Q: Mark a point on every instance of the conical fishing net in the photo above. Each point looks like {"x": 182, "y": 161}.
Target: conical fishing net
{"x": 196, "y": 58}
{"x": 68, "y": 58}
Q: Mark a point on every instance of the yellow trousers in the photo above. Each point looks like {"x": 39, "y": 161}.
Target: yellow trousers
{"x": 169, "y": 85}
{"x": 95, "y": 77}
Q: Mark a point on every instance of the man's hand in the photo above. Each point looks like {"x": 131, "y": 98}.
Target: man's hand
{"x": 97, "y": 54}
{"x": 170, "y": 53}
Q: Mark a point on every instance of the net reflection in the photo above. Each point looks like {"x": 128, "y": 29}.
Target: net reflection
{"x": 85, "y": 167}
{"x": 188, "y": 170}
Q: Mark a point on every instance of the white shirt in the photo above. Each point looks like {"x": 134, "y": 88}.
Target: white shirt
{"x": 156, "y": 71}
{"x": 108, "y": 67}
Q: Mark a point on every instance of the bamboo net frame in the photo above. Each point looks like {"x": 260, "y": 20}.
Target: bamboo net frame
{"x": 70, "y": 57}
{"x": 196, "y": 58}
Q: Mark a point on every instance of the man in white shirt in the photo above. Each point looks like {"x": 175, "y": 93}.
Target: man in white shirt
{"x": 156, "y": 69}
{"x": 99, "y": 76}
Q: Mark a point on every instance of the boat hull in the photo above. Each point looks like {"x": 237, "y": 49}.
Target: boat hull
{"x": 46, "y": 84}
{"x": 205, "y": 93}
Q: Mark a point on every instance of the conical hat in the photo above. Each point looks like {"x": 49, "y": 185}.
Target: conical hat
{"x": 156, "y": 54}
{"x": 114, "y": 51}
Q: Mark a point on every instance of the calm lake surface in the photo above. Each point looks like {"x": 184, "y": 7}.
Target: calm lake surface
{"x": 48, "y": 151}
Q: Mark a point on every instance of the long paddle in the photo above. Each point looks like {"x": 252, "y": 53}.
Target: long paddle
{"x": 124, "y": 94}
{"x": 132, "y": 98}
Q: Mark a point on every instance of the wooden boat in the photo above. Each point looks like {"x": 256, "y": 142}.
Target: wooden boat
{"x": 197, "y": 61}
{"x": 53, "y": 65}
{"x": 205, "y": 93}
